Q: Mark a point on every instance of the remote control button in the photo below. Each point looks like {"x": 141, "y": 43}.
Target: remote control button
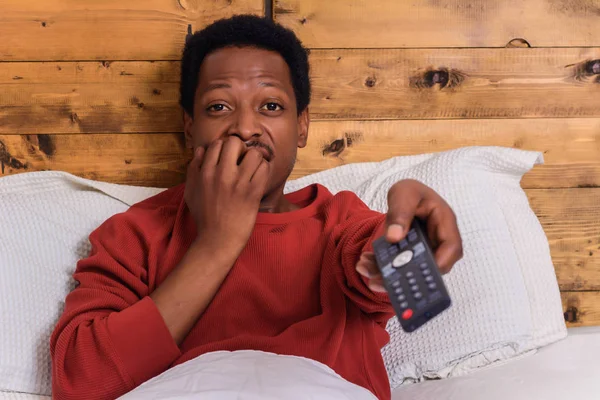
{"x": 403, "y": 244}
{"x": 407, "y": 314}
{"x": 412, "y": 235}
{"x": 401, "y": 297}
{"x": 402, "y": 259}
{"x": 432, "y": 286}
{"x": 414, "y": 288}
{"x": 410, "y": 274}
{"x": 423, "y": 266}
{"x": 412, "y": 281}
{"x": 418, "y": 296}
{"x": 404, "y": 304}
{"x": 398, "y": 290}
{"x": 396, "y": 284}
{"x": 419, "y": 249}
{"x": 426, "y": 272}
{"x": 429, "y": 279}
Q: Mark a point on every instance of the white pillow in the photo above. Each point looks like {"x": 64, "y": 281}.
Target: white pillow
{"x": 506, "y": 299}
{"x": 505, "y": 295}
{"x": 249, "y": 375}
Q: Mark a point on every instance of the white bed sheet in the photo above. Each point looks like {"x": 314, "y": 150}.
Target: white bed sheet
{"x": 566, "y": 370}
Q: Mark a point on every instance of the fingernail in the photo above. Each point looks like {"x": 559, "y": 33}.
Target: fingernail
{"x": 395, "y": 231}
{"x": 363, "y": 271}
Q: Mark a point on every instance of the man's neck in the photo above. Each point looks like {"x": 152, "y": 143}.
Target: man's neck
{"x": 275, "y": 202}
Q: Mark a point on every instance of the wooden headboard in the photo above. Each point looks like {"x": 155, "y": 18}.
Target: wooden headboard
{"x": 92, "y": 87}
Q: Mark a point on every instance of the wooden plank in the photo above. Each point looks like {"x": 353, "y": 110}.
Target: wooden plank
{"x": 144, "y": 160}
{"x": 34, "y": 30}
{"x": 571, "y": 220}
{"x": 348, "y": 84}
{"x": 439, "y": 23}
{"x": 587, "y": 305}
{"x": 456, "y": 83}
{"x": 570, "y": 217}
{"x": 571, "y": 147}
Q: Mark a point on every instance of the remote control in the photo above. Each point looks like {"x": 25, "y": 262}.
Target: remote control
{"x": 411, "y": 277}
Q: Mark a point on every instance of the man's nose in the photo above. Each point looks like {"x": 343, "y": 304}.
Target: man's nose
{"x": 245, "y": 124}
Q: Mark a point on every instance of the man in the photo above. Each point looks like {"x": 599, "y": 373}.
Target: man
{"x": 226, "y": 261}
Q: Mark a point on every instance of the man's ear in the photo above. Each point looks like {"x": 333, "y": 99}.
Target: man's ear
{"x": 303, "y": 123}
{"x": 188, "y": 123}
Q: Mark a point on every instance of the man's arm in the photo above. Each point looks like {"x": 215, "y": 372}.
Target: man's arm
{"x": 350, "y": 240}
{"x": 113, "y": 335}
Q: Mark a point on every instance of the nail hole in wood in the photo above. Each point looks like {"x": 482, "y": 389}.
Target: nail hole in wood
{"x": 571, "y": 314}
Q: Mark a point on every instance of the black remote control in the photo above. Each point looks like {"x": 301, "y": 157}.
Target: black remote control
{"x": 411, "y": 277}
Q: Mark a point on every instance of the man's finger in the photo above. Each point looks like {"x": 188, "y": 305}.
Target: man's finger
{"x": 450, "y": 249}
{"x": 197, "y": 158}
{"x": 403, "y": 201}
{"x": 376, "y": 285}
{"x": 212, "y": 154}
{"x": 233, "y": 148}
{"x": 250, "y": 163}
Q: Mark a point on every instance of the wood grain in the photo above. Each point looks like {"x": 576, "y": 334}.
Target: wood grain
{"x": 571, "y": 220}
{"x": 587, "y": 305}
{"x": 104, "y": 97}
{"x": 455, "y": 83}
{"x": 570, "y": 217}
{"x": 33, "y": 30}
{"x": 144, "y": 160}
{"x": 570, "y": 147}
{"x": 440, "y": 23}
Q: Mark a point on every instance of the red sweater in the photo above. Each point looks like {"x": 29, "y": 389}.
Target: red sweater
{"x": 293, "y": 290}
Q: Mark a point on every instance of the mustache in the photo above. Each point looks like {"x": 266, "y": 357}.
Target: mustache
{"x": 262, "y": 145}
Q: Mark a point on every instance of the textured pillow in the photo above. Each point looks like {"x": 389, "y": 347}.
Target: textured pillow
{"x": 506, "y": 299}
{"x": 505, "y": 295}
{"x": 46, "y": 218}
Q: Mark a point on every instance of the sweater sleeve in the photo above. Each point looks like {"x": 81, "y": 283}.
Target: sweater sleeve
{"x": 110, "y": 337}
{"x": 351, "y": 238}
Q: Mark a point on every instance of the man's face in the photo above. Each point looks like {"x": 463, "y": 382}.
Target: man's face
{"x": 247, "y": 92}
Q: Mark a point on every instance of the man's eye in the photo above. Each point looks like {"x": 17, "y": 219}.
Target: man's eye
{"x": 272, "y": 107}
{"x": 216, "y": 107}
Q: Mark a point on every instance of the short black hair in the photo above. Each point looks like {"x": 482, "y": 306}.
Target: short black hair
{"x": 244, "y": 31}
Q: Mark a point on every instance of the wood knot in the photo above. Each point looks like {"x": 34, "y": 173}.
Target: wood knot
{"x": 128, "y": 161}
{"x": 46, "y": 145}
{"x": 303, "y": 21}
{"x": 337, "y": 147}
{"x": 43, "y": 24}
{"x": 443, "y": 77}
{"x": 141, "y": 105}
{"x": 74, "y": 118}
{"x": 437, "y": 78}
{"x": 571, "y": 314}
{"x": 518, "y": 43}
{"x": 593, "y": 67}
{"x": 370, "y": 81}
{"x": 156, "y": 91}
{"x": 585, "y": 71}
{"x": 106, "y": 64}
{"x": 17, "y": 78}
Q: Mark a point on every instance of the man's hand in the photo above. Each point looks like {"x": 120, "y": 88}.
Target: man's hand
{"x": 407, "y": 199}
{"x": 224, "y": 197}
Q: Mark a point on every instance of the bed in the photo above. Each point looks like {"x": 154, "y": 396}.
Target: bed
{"x": 435, "y": 77}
